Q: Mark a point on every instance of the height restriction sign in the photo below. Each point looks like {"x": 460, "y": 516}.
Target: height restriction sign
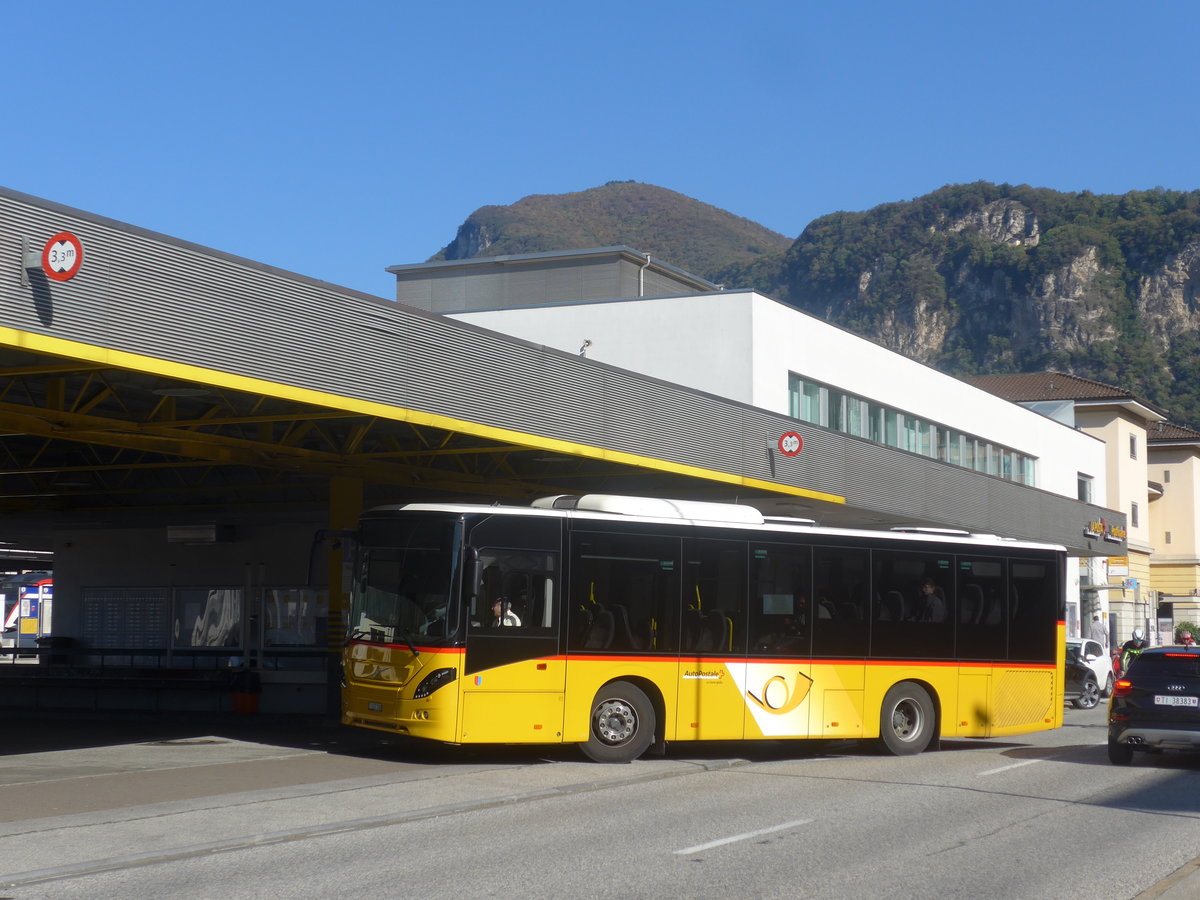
{"x": 62, "y": 256}
{"x": 790, "y": 443}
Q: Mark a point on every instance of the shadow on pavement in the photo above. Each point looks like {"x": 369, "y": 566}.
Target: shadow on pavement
{"x": 23, "y": 733}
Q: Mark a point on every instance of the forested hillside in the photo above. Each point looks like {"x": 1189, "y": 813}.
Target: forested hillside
{"x": 985, "y": 278}
{"x": 972, "y": 279}
{"x": 684, "y": 232}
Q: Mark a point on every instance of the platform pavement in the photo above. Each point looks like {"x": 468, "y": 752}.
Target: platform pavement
{"x": 79, "y": 795}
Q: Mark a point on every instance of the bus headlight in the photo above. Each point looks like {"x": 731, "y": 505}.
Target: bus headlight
{"x": 434, "y": 680}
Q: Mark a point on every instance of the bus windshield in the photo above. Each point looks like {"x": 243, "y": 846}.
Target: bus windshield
{"x": 404, "y": 583}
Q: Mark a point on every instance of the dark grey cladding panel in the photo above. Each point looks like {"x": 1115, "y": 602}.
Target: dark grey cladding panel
{"x": 155, "y": 296}
{"x": 893, "y": 482}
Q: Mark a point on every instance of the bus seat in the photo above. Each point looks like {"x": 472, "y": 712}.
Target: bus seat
{"x": 600, "y": 633}
{"x": 893, "y": 603}
{"x": 622, "y": 634}
{"x": 849, "y": 611}
{"x": 716, "y": 631}
{"x": 581, "y": 622}
{"x": 992, "y": 617}
{"x": 970, "y": 604}
{"x": 643, "y": 634}
{"x": 693, "y": 627}
{"x": 826, "y": 610}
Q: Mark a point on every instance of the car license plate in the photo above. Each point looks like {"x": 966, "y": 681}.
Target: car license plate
{"x": 1162, "y": 700}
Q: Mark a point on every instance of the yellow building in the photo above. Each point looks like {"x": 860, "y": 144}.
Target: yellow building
{"x": 1174, "y": 462}
{"x": 1123, "y": 590}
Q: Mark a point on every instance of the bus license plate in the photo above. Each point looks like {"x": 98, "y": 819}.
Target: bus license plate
{"x": 1161, "y": 700}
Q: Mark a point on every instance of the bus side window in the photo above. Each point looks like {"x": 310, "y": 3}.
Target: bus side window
{"x": 625, "y": 592}
{"x": 516, "y": 591}
{"x": 842, "y": 573}
{"x": 714, "y": 595}
{"x": 780, "y": 614}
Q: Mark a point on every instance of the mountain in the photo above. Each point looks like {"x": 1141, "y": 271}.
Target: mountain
{"x": 990, "y": 279}
{"x": 972, "y": 279}
{"x": 684, "y": 232}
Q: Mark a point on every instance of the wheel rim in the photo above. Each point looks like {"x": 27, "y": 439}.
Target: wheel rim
{"x": 906, "y": 720}
{"x": 1091, "y": 694}
{"x": 615, "y": 721}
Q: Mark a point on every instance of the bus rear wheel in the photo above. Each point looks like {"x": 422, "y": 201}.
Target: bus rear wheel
{"x": 622, "y": 724}
{"x": 907, "y": 720}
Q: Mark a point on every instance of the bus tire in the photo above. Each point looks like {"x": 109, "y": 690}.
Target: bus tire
{"x": 907, "y": 720}
{"x": 621, "y": 726}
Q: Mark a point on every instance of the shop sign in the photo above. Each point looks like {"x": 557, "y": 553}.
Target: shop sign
{"x": 1099, "y": 528}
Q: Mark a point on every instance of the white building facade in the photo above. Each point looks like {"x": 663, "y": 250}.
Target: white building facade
{"x": 747, "y": 347}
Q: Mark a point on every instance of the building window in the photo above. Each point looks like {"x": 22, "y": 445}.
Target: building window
{"x": 1166, "y": 476}
{"x": 1133, "y": 515}
{"x": 878, "y": 427}
{"x": 1133, "y": 446}
{"x": 810, "y": 404}
{"x": 1168, "y": 537}
{"x": 835, "y": 417}
{"x": 820, "y": 404}
{"x": 1085, "y": 487}
{"x": 1028, "y": 472}
{"x": 857, "y": 417}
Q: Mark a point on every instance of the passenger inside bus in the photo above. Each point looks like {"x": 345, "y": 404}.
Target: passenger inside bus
{"x": 931, "y": 602}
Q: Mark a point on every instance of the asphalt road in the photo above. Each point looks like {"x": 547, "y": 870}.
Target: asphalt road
{"x": 246, "y": 808}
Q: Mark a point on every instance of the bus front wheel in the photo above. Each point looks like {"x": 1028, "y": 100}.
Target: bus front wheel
{"x": 907, "y": 720}
{"x": 621, "y": 726}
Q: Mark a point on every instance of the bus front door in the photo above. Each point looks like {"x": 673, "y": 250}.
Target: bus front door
{"x": 514, "y": 676}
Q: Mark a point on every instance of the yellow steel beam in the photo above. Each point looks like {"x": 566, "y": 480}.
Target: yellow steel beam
{"x": 88, "y": 353}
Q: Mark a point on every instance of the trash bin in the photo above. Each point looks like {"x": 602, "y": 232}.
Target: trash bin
{"x": 247, "y": 687}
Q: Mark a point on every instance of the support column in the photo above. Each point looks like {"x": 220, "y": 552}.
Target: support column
{"x": 345, "y": 506}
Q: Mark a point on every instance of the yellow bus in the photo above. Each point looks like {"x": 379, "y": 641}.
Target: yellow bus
{"x": 618, "y": 623}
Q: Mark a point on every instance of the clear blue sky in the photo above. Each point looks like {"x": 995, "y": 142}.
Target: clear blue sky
{"x": 335, "y": 139}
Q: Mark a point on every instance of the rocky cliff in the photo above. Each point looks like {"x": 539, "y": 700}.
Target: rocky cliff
{"x": 982, "y": 278}
{"x": 972, "y": 279}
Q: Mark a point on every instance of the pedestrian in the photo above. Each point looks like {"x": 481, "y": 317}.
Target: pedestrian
{"x": 1097, "y": 632}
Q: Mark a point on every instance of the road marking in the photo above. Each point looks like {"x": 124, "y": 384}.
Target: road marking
{"x": 742, "y": 837}
{"x": 1028, "y": 762}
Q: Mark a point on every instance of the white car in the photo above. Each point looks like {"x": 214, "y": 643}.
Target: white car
{"x": 1093, "y": 655}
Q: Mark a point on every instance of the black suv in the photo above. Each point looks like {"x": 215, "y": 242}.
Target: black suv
{"x": 1155, "y": 706}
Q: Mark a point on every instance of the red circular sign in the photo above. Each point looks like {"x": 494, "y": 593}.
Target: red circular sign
{"x": 790, "y": 443}
{"x": 62, "y": 256}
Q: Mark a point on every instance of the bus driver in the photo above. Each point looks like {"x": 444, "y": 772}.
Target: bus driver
{"x": 502, "y": 614}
